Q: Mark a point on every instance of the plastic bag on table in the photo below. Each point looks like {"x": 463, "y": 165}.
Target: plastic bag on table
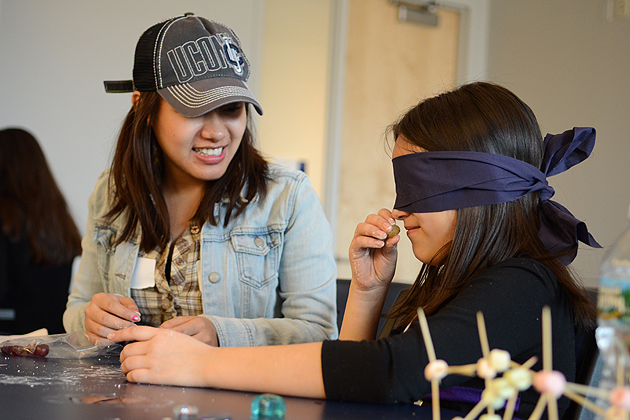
{"x": 57, "y": 346}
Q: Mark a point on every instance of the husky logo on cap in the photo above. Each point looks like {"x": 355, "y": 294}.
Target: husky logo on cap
{"x": 233, "y": 54}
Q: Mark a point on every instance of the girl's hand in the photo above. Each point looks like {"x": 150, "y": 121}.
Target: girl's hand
{"x": 197, "y": 327}
{"x": 373, "y": 261}
{"x": 162, "y": 356}
{"x": 106, "y": 313}
{"x": 372, "y": 254}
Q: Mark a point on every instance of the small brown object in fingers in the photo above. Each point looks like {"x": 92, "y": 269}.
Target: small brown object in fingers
{"x": 395, "y": 231}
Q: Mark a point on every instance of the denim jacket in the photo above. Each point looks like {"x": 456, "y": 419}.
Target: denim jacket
{"x": 269, "y": 277}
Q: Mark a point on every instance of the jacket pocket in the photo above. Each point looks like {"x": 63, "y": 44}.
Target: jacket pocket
{"x": 257, "y": 255}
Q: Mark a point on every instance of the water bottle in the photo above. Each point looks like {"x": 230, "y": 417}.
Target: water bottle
{"x": 613, "y": 309}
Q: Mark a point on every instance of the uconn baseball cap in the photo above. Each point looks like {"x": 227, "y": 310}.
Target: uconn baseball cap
{"x": 195, "y": 64}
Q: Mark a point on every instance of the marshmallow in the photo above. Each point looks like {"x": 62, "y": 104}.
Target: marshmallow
{"x": 435, "y": 370}
{"x": 550, "y": 382}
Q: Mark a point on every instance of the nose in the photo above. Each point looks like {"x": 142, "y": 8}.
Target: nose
{"x": 213, "y": 127}
{"x": 399, "y": 214}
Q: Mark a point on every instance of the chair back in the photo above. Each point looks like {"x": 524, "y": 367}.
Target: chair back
{"x": 395, "y": 288}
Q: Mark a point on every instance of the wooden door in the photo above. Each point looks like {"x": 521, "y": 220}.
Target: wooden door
{"x": 390, "y": 66}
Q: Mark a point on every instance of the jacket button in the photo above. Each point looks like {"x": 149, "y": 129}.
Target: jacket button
{"x": 259, "y": 242}
{"x": 214, "y": 277}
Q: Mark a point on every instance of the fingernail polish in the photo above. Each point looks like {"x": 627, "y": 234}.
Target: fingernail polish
{"x": 135, "y": 318}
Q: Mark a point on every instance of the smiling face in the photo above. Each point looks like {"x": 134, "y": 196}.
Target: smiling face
{"x": 428, "y": 232}
{"x": 199, "y": 149}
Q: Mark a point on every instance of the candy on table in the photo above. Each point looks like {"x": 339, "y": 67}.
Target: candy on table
{"x": 268, "y": 406}
{"x": 32, "y": 349}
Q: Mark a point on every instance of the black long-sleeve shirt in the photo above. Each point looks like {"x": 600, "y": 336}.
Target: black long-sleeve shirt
{"x": 37, "y": 293}
{"x": 510, "y": 295}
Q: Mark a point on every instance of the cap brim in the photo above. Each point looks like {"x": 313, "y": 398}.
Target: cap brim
{"x": 197, "y": 98}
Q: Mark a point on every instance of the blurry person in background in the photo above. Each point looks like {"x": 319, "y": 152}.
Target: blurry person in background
{"x": 38, "y": 238}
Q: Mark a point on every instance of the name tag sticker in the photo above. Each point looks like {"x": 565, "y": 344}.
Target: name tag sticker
{"x": 144, "y": 274}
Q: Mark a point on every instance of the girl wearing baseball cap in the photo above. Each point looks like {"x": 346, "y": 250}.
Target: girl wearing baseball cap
{"x": 191, "y": 229}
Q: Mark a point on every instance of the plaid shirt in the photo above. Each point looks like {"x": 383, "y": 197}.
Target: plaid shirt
{"x": 180, "y": 297}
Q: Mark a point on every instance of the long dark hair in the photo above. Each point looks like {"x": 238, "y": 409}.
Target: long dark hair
{"x": 137, "y": 176}
{"x": 33, "y": 207}
{"x": 482, "y": 117}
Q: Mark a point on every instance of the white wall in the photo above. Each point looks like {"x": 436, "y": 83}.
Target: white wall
{"x": 55, "y": 56}
{"x": 572, "y": 66}
{"x": 294, "y": 83}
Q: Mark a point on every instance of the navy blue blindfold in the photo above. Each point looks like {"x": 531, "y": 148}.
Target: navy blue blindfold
{"x": 437, "y": 181}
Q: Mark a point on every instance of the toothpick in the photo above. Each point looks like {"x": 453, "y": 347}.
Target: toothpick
{"x": 540, "y": 407}
{"x": 478, "y": 408}
{"x": 483, "y": 336}
{"x": 547, "y": 355}
{"x": 466, "y": 370}
{"x": 426, "y": 335}
{"x": 588, "y": 390}
{"x": 585, "y": 402}
{"x": 509, "y": 408}
{"x": 435, "y": 399}
{"x": 428, "y": 344}
{"x": 485, "y": 348}
{"x": 552, "y": 408}
{"x": 528, "y": 364}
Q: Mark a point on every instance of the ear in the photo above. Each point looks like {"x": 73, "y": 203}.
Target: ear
{"x": 134, "y": 98}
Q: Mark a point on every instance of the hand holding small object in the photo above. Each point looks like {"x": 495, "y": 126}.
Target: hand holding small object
{"x": 106, "y": 313}
{"x": 373, "y": 253}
